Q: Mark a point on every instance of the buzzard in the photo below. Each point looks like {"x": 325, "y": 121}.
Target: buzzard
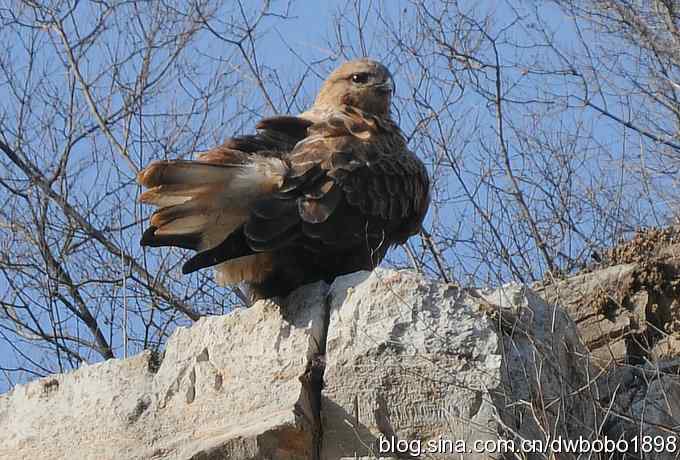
{"x": 307, "y": 198}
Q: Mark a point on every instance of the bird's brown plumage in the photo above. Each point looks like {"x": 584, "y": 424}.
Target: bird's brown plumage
{"x": 307, "y": 198}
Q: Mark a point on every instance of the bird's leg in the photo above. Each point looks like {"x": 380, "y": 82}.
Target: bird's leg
{"x": 255, "y": 295}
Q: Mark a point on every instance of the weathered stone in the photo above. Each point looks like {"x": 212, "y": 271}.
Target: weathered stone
{"x": 605, "y": 318}
{"x": 227, "y": 388}
{"x": 406, "y": 359}
{"x": 629, "y": 317}
{"x": 413, "y": 360}
{"x": 548, "y": 384}
{"x": 644, "y": 406}
{"x": 667, "y": 348}
{"x": 625, "y": 313}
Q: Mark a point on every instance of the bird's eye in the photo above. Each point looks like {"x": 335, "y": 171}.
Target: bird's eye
{"x": 360, "y": 78}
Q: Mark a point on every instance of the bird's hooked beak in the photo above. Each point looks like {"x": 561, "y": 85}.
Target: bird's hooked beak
{"x": 385, "y": 87}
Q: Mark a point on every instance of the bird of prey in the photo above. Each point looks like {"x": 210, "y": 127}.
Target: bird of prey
{"x": 306, "y": 198}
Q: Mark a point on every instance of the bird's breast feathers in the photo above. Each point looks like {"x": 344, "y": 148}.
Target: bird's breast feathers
{"x": 347, "y": 129}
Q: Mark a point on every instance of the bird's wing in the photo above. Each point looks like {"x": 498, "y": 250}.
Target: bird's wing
{"x": 276, "y": 136}
{"x": 202, "y": 201}
{"x": 351, "y": 176}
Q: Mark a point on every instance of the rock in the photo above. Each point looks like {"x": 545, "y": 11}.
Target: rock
{"x": 410, "y": 361}
{"x": 605, "y": 316}
{"x": 547, "y": 379}
{"x": 628, "y": 313}
{"x": 405, "y": 364}
{"x": 627, "y": 308}
{"x": 227, "y": 388}
{"x": 644, "y": 407}
{"x": 668, "y": 348}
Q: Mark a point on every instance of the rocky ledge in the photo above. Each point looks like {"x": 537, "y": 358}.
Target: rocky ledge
{"x": 365, "y": 368}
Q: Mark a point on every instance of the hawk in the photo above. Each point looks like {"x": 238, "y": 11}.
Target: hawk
{"x": 307, "y": 198}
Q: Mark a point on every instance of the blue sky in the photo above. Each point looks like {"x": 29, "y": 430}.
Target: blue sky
{"x": 308, "y": 31}
{"x": 305, "y": 30}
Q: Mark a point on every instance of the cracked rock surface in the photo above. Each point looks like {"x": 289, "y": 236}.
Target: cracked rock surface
{"x": 406, "y": 359}
{"x": 339, "y": 372}
{"x": 439, "y": 369}
{"x": 227, "y": 388}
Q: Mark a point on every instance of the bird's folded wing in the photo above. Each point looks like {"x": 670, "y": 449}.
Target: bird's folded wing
{"x": 276, "y": 136}
{"x": 351, "y": 172}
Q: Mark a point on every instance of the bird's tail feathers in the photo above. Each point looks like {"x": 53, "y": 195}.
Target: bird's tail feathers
{"x": 201, "y": 203}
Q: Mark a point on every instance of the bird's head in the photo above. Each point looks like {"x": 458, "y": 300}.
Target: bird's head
{"x": 362, "y": 83}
